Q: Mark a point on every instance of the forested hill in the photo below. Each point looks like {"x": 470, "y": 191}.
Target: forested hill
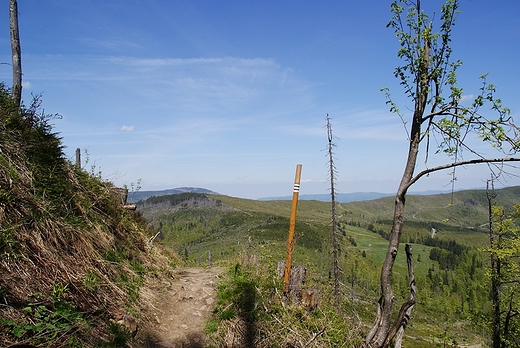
{"x": 461, "y": 208}
{"x": 468, "y": 208}
{"x": 138, "y": 195}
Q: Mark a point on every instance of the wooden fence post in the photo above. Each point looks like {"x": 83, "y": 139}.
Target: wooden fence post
{"x": 78, "y": 158}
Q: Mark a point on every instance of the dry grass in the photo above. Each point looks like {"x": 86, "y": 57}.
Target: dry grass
{"x": 252, "y": 312}
{"x": 70, "y": 255}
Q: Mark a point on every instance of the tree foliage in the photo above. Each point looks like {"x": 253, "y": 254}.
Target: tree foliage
{"x": 504, "y": 274}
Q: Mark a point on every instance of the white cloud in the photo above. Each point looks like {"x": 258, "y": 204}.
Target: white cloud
{"x": 126, "y": 128}
{"x": 467, "y": 97}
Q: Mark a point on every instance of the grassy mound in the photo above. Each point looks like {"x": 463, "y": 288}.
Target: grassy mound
{"x": 71, "y": 258}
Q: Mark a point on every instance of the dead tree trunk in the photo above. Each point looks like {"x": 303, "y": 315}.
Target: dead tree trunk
{"x": 335, "y": 246}
{"x": 16, "y": 52}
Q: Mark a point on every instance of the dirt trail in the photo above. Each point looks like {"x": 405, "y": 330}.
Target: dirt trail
{"x": 183, "y": 308}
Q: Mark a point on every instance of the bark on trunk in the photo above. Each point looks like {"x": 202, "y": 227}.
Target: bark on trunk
{"x": 381, "y": 329}
{"x": 495, "y": 272}
{"x": 335, "y": 245}
{"x": 406, "y": 310}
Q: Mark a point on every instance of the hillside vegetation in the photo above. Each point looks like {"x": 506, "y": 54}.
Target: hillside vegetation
{"x": 72, "y": 261}
{"x": 249, "y": 236}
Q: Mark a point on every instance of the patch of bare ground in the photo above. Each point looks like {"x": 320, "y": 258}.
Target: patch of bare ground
{"x": 180, "y": 308}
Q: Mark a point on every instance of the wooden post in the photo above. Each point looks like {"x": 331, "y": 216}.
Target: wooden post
{"x": 292, "y": 225}
{"x": 78, "y": 158}
{"x": 16, "y": 52}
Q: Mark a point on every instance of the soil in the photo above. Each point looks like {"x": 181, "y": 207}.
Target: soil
{"x": 181, "y": 310}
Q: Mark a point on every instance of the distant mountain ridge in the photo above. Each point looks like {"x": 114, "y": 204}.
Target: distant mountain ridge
{"x": 142, "y": 195}
{"x": 348, "y": 197}
{"x": 340, "y": 197}
{"x": 325, "y": 197}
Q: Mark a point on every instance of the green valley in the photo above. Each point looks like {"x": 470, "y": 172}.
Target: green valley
{"x": 445, "y": 232}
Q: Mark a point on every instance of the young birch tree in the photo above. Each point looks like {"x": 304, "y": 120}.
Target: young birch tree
{"x": 440, "y": 115}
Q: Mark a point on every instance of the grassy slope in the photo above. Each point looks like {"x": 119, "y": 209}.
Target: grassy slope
{"x": 71, "y": 258}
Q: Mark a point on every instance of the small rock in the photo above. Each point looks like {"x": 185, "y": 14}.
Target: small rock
{"x": 184, "y": 326}
{"x": 126, "y": 320}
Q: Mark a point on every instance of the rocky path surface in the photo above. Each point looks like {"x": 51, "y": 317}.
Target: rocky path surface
{"x": 183, "y": 308}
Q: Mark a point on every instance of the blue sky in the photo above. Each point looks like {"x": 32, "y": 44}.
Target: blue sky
{"x": 231, "y": 95}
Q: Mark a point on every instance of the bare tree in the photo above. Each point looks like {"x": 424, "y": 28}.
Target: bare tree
{"x": 332, "y": 176}
{"x": 16, "y": 52}
{"x": 439, "y": 114}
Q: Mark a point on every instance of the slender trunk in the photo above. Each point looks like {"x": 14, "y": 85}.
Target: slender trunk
{"x": 16, "y": 52}
{"x": 335, "y": 251}
{"x": 510, "y": 313}
{"x": 379, "y": 334}
{"x": 495, "y": 271}
{"x": 406, "y": 310}
{"x": 393, "y": 247}
{"x": 335, "y": 245}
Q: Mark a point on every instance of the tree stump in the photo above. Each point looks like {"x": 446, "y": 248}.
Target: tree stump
{"x": 121, "y": 194}
{"x": 296, "y": 280}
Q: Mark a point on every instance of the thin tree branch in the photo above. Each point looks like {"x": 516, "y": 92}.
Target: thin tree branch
{"x": 458, "y": 164}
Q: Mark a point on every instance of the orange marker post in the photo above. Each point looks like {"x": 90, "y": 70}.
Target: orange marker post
{"x": 292, "y": 226}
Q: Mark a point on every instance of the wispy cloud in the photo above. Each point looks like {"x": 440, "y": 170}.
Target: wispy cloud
{"x": 468, "y": 97}
{"x": 195, "y": 85}
{"x": 126, "y": 128}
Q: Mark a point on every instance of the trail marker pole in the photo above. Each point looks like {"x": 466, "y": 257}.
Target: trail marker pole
{"x": 292, "y": 225}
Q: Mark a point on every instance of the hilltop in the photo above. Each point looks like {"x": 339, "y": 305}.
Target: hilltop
{"x": 142, "y": 195}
